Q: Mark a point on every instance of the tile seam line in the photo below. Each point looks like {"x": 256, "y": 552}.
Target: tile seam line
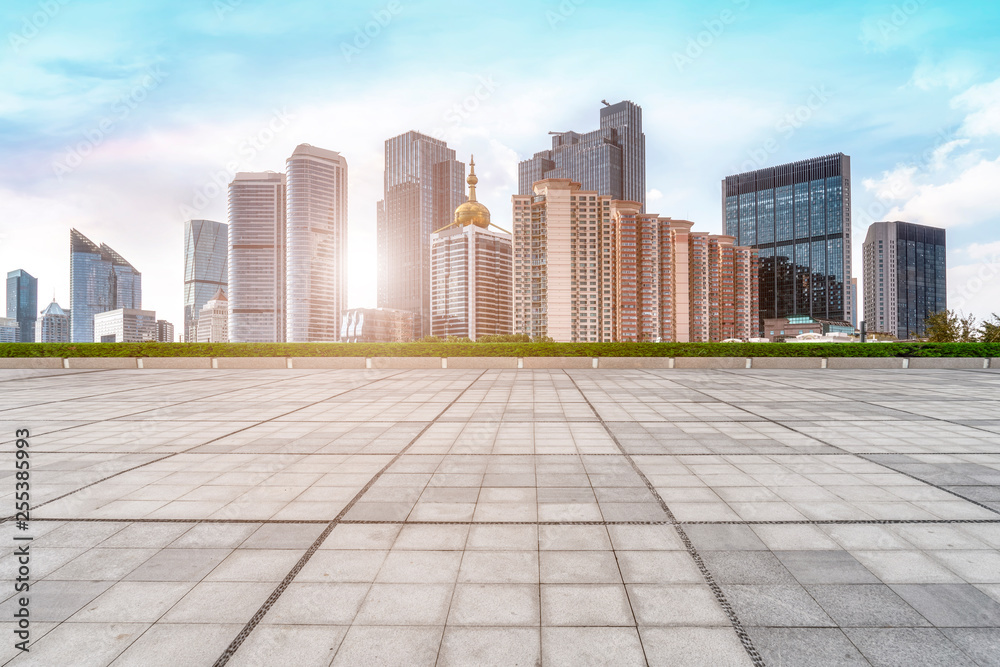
{"x": 380, "y": 522}
{"x": 737, "y": 625}
{"x": 884, "y": 465}
{"x": 255, "y": 620}
{"x": 163, "y": 458}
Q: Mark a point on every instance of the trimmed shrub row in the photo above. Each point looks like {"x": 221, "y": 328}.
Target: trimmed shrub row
{"x": 499, "y": 350}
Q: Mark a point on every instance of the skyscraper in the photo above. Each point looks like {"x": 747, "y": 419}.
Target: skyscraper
{"x": 53, "y": 326}
{"x": 471, "y": 293}
{"x": 257, "y": 258}
{"x": 206, "y": 268}
{"x": 99, "y": 280}
{"x": 316, "y": 250}
{"x": 588, "y": 268}
{"x": 125, "y": 325}
{"x": 22, "y": 303}
{"x": 610, "y": 160}
{"x": 423, "y": 187}
{"x": 799, "y": 217}
{"x": 905, "y": 270}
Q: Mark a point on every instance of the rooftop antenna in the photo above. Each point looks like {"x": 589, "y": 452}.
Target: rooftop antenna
{"x": 605, "y": 103}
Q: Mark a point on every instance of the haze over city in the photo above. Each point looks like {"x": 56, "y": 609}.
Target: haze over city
{"x": 124, "y": 121}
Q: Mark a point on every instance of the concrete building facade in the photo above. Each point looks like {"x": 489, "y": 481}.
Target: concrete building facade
{"x": 213, "y": 320}
{"x": 125, "y": 325}
{"x": 588, "y": 268}
{"x": 256, "y": 263}
{"x": 53, "y": 325}
{"x": 471, "y": 269}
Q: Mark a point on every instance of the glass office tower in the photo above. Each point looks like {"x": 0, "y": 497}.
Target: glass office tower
{"x": 257, "y": 258}
{"x": 905, "y": 271}
{"x": 22, "y": 303}
{"x": 798, "y": 216}
{"x": 206, "y": 269}
{"x": 423, "y": 187}
{"x": 316, "y": 251}
{"x": 610, "y": 160}
{"x": 99, "y": 280}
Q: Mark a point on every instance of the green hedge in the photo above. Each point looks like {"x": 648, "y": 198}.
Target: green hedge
{"x": 499, "y": 350}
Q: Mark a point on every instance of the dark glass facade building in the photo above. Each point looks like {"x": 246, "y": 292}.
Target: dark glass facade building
{"x": 206, "y": 269}
{"x": 22, "y": 303}
{"x": 99, "y": 280}
{"x": 610, "y": 161}
{"x": 905, "y": 269}
{"x": 798, "y": 216}
{"x": 424, "y": 184}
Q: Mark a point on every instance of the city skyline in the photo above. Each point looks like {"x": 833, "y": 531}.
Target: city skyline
{"x": 912, "y": 99}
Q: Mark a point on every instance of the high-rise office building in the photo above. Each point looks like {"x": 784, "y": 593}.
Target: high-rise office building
{"x": 471, "y": 293}
{"x": 53, "y": 325}
{"x": 22, "y": 303}
{"x": 9, "y": 330}
{"x": 213, "y": 320}
{"x": 99, "y": 280}
{"x": 798, "y": 216}
{"x": 206, "y": 268}
{"x": 905, "y": 272}
{"x": 610, "y": 160}
{"x": 257, "y": 258}
{"x": 423, "y": 187}
{"x": 854, "y": 303}
{"x": 588, "y": 268}
{"x": 164, "y": 331}
{"x": 376, "y": 325}
{"x": 316, "y": 250}
{"x": 125, "y": 325}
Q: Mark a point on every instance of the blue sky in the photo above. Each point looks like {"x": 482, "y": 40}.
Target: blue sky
{"x": 120, "y": 118}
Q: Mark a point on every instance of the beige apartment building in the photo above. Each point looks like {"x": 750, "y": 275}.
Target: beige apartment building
{"x": 588, "y": 268}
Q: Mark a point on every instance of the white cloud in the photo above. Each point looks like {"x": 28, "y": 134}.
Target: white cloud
{"x": 983, "y": 104}
{"x": 967, "y": 199}
{"x": 975, "y": 287}
{"x": 653, "y": 195}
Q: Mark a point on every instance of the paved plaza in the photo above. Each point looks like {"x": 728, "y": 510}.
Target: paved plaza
{"x": 506, "y": 517}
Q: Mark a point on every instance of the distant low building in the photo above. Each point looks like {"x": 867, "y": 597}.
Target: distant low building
{"x": 164, "y": 331}
{"x": 788, "y": 328}
{"x": 9, "y": 330}
{"x": 377, "y": 325}
{"x": 213, "y": 320}
{"x": 53, "y": 326}
{"x": 125, "y": 325}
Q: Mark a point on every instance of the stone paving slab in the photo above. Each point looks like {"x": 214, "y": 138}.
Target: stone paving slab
{"x": 455, "y": 516}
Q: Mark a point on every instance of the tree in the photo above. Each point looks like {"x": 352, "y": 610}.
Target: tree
{"x": 990, "y": 331}
{"x": 947, "y": 326}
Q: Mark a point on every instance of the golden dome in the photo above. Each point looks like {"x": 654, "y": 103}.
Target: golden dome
{"x": 472, "y": 212}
